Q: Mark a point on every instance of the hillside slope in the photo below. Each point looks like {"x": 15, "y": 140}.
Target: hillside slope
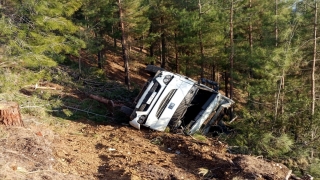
{"x": 86, "y": 150}
{"x": 50, "y": 147}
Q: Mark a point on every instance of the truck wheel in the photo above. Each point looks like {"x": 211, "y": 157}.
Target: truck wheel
{"x": 126, "y": 110}
{"x": 152, "y": 69}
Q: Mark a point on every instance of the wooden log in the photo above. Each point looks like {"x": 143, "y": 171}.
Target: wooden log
{"x": 109, "y": 103}
{"x": 10, "y": 114}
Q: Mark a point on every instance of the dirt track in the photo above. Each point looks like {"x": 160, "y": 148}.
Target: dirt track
{"x": 85, "y": 150}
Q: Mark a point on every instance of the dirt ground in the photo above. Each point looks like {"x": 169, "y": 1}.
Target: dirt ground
{"x": 84, "y": 149}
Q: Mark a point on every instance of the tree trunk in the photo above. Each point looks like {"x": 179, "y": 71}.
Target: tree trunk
{"x": 251, "y": 54}
{"x": 187, "y": 64}
{"x": 10, "y": 114}
{"x": 163, "y": 46}
{"x": 124, "y": 47}
{"x": 313, "y": 91}
{"x": 99, "y": 53}
{"x": 100, "y": 59}
{"x": 151, "y": 48}
{"x": 230, "y": 110}
{"x": 213, "y": 73}
{"x": 281, "y": 92}
{"x": 226, "y": 82}
{"x": 115, "y": 42}
{"x": 201, "y": 44}
{"x": 176, "y": 53}
{"x": 232, "y": 51}
{"x": 276, "y": 12}
{"x": 250, "y": 31}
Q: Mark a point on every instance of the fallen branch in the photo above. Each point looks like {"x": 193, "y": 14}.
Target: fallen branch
{"x": 233, "y": 119}
{"x": 43, "y": 87}
{"x": 109, "y": 103}
{"x": 40, "y": 106}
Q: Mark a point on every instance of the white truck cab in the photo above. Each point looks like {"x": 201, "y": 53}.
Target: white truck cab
{"x": 174, "y": 100}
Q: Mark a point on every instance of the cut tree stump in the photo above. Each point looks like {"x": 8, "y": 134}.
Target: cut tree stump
{"x": 10, "y": 114}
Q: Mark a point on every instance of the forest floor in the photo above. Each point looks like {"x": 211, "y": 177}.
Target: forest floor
{"x": 84, "y": 149}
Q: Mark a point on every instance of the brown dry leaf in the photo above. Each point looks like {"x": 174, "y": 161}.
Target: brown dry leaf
{"x": 39, "y": 133}
{"x": 14, "y": 168}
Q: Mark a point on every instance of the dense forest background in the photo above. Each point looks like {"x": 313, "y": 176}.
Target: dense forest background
{"x": 263, "y": 53}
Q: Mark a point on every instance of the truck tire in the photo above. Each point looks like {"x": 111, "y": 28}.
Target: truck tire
{"x": 152, "y": 69}
{"x": 126, "y": 110}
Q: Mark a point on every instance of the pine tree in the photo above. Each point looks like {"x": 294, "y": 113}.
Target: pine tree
{"x": 308, "y": 13}
{"x": 98, "y": 19}
{"x": 161, "y": 30}
{"x": 132, "y": 25}
{"x": 41, "y": 33}
{"x": 122, "y": 20}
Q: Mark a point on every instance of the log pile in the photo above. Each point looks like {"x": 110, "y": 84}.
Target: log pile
{"x": 10, "y": 114}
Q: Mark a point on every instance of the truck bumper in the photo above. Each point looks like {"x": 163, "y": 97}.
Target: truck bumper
{"x": 134, "y": 123}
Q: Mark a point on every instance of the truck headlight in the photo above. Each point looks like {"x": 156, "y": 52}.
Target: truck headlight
{"x": 142, "y": 119}
{"x": 167, "y": 79}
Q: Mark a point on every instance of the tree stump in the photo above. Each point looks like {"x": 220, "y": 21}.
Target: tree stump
{"x": 10, "y": 114}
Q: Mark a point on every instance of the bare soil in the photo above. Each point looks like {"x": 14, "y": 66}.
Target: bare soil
{"x": 87, "y": 150}
{"x": 84, "y": 149}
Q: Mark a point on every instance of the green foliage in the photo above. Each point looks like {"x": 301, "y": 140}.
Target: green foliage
{"x": 275, "y": 146}
{"x": 264, "y": 143}
{"x": 99, "y": 73}
{"x": 67, "y": 112}
{"x": 15, "y": 79}
{"x": 157, "y": 141}
{"x": 200, "y": 137}
{"x": 314, "y": 168}
{"x": 167, "y": 130}
{"x": 44, "y": 32}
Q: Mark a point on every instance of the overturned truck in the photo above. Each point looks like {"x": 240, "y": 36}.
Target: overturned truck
{"x": 178, "y": 102}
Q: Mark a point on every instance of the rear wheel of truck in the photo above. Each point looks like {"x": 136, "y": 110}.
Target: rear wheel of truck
{"x": 126, "y": 110}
